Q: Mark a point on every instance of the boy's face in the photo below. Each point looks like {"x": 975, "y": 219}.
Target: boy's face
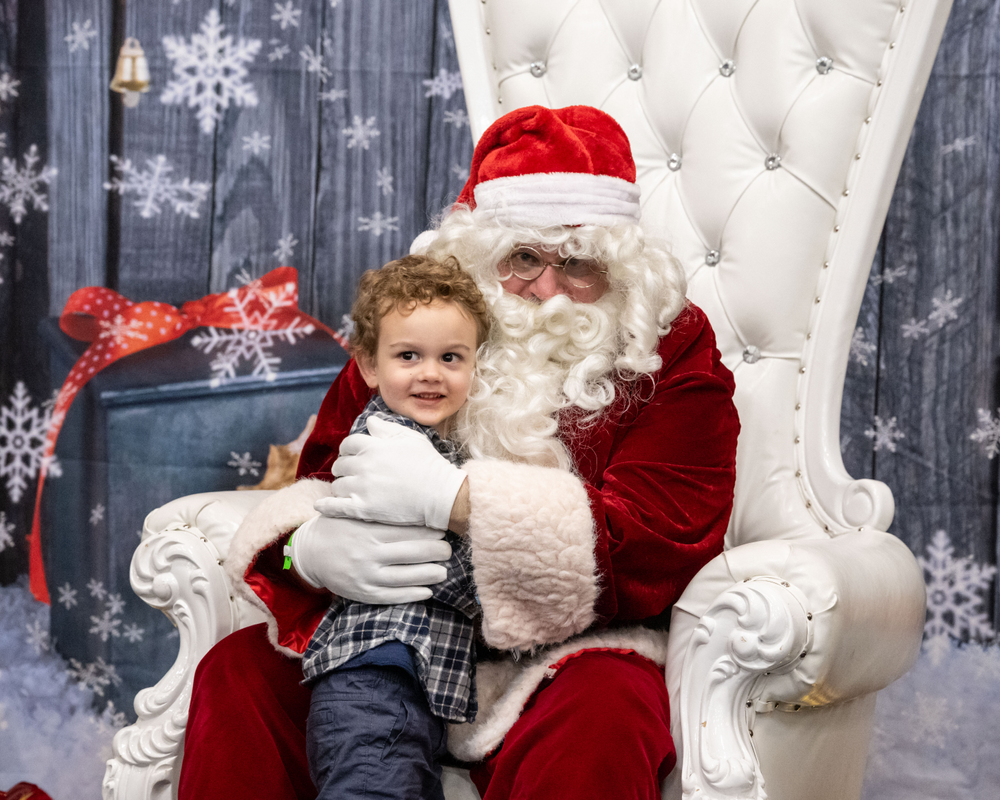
{"x": 424, "y": 362}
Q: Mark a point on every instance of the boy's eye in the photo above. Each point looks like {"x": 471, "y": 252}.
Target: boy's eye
{"x": 448, "y": 358}
{"x": 407, "y": 355}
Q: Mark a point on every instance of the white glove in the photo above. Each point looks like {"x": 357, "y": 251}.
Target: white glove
{"x": 369, "y": 562}
{"x": 395, "y": 476}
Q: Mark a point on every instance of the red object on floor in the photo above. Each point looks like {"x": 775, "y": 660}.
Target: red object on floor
{"x": 24, "y": 791}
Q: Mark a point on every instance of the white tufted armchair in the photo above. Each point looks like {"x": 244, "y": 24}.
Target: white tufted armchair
{"x": 767, "y": 135}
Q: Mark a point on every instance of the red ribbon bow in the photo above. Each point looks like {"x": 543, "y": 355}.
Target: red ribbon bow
{"x": 116, "y": 327}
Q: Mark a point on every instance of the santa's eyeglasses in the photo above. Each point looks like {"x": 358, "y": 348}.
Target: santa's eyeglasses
{"x": 528, "y": 264}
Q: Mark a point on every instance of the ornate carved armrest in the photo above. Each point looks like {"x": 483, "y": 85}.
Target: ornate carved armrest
{"x": 781, "y": 626}
{"x": 178, "y": 569}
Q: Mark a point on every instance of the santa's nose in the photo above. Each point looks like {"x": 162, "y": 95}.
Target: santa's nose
{"x": 547, "y": 284}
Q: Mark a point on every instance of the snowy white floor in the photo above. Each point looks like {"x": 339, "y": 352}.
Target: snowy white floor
{"x": 937, "y": 733}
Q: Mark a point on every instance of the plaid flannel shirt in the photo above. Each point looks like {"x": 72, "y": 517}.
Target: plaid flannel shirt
{"x": 440, "y": 631}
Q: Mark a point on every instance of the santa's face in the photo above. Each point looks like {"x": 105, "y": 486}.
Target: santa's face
{"x": 425, "y": 360}
{"x": 555, "y": 277}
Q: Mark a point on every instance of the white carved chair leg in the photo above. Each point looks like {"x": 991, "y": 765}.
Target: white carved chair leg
{"x": 178, "y": 571}
{"x": 758, "y": 628}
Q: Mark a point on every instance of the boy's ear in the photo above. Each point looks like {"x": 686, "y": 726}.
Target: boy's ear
{"x": 366, "y": 366}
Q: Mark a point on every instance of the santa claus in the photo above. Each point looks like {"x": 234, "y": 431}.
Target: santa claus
{"x": 602, "y": 438}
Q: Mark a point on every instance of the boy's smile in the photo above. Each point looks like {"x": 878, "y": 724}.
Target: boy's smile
{"x": 424, "y": 363}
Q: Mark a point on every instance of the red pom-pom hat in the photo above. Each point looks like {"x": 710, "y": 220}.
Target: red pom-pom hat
{"x": 539, "y": 167}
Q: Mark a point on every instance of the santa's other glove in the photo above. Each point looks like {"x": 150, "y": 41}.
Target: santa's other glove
{"x": 368, "y": 561}
{"x": 395, "y": 475}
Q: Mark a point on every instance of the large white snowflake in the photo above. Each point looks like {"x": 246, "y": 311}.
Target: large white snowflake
{"x": 861, "y": 348}
{"x": 257, "y": 143}
{"x": 154, "y": 186}
{"x": 955, "y": 594}
{"x": 133, "y": 632}
{"x": 361, "y": 133}
{"x": 378, "y": 224}
{"x": 444, "y": 84}
{"x": 257, "y": 333}
{"x": 210, "y": 71}
{"x": 22, "y": 185}
{"x": 22, "y": 442}
{"x": 38, "y": 637}
{"x": 988, "y": 432}
{"x": 885, "y": 434}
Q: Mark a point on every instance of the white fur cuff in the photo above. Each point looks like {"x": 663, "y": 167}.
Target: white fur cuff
{"x": 533, "y": 557}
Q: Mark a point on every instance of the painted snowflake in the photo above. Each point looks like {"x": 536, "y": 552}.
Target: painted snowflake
{"x": 885, "y": 434}
{"x": 279, "y": 52}
{"x": 346, "y": 328}
{"x": 959, "y": 145}
{"x": 457, "y": 118}
{"x": 956, "y": 594}
{"x": 314, "y": 63}
{"x": 154, "y": 186}
{"x": 79, "y": 38}
{"x": 8, "y": 87}
{"x": 286, "y": 15}
{"x": 22, "y": 185}
{"x": 6, "y": 529}
{"x": 444, "y": 84}
{"x": 97, "y": 514}
{"x": 22, "y": 442}
{"x": 988, "y": 432}
{"x": 861, "y": 348}
{"x": 38, "y": 637}
{"x": 210, "y": 71}
{"x": 67, "y": 596}
{"x": 256, "y": 334}
{"x": 460, "y": 172}
{"x": 105, "y": 626}
{"x": 378, "y": 224}
{"x": 96, "y": 676}
{"x": 914, "y": 329}
{"x": 244, "y": 463}
{"x": 256, "y": 143}
{"x": 133, "y": 632}
{"x": 384, "y": 180}
{"x": 286, "y": 248}
{"x": 945, "y": 308}
{"x": 332, "y": 95}
{"x": 928, "y": 720}
{"x": 96, "y": 589}
{"x": 114, "y": 604}
{"x": 361, "y": 133}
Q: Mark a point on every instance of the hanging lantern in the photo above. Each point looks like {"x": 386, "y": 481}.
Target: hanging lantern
{"x": 131, "y": 73}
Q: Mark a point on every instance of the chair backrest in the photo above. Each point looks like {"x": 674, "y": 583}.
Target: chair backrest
{"x": 768, "y": 135}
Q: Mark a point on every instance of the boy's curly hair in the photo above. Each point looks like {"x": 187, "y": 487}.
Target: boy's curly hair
{"x": 404, "y": 283}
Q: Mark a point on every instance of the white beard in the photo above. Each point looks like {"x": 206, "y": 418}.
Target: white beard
{"x": 539, "y": 360}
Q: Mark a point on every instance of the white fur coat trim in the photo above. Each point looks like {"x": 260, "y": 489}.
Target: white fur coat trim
{"x": 533, "y": 556}
{"x": 504, "y": 687}
{"x": 272, "y": 520}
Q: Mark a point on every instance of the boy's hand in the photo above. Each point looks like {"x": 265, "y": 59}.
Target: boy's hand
{"x": 370, "y": 562}
{"x": 394, "y": 475}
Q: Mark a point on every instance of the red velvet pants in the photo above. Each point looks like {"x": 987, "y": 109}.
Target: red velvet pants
{"x": 600, "y": 728}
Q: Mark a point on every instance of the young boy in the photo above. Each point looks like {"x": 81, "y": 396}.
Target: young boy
{"x": 386, "y": 679}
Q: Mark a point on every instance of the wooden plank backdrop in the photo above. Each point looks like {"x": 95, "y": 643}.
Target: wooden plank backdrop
{"x": 358, "y": 138}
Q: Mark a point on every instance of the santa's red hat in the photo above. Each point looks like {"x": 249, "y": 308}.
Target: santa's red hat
{"x": 539, "y": 166}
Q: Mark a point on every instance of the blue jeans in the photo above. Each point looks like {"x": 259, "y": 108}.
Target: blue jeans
{"x": 371, "y": 734}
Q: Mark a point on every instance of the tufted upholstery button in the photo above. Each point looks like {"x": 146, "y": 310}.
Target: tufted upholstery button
{"x": 773, "y": 161}
{"x": 634, "y": 72}
{"x": 712, "y": 257}
{"x": 824, "y": 64}
{"x": 751, "y": 354}
{"x": 727, "y": 67}
{"x": 538, "y": 68}
{"x": 674, "y": 162}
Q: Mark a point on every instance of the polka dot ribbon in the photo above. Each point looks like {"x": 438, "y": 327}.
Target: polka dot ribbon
{"x": 116, "y": 327}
